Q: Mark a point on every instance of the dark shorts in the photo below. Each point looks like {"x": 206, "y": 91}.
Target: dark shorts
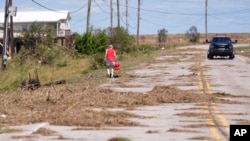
{"x": 109, "y": 64}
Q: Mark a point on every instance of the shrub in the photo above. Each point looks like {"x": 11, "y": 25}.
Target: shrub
{"x": 38, "y": 45}
{"x": 89, "y": 43}
{"x": 192, "y": 34}
{"x": 97, "y": 61}
{"x": 121, "y": 40}
{"x": 146, "y": 49}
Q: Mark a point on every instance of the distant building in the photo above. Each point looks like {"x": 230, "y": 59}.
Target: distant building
{"x": 59, "y": 21}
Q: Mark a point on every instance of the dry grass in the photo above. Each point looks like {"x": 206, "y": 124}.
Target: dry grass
{"x": 76, "y": 104}
{"x": 73, "y": 69}
{"x": 244, "y": 51}
{"x": 118, "y": 139}
{"x": 174, "y": 40}
{"x": 44, "y": 132}
{"x": 9, "y": 130}
{"x": 242, "y": 121}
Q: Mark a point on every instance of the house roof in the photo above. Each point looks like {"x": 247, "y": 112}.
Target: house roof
{"x": 37, "y": 16}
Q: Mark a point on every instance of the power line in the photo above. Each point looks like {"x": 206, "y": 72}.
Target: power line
{"x": 50, "y": 9}
{"x": 231, "y": 12}
{"x": 158, "y": 24}
{"x": 124, "y": 21}
{"x": 101, "y": 8}
{"x": 162, "y": 12}
{"x": 161, "y": 24}
{"x": 153, "y": 23}
{"x": 74, "y": 11}
{"x": 237, "y": 23}
{"x": 46, "y": 7}
{"x": 156, "y": 12}
{"x": 190, "y": 14}
{"x": 174, "y": 26}
{"x": 78, "y": 21}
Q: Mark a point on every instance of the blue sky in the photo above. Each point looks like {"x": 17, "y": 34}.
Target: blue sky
{"x": 177, "y": 16}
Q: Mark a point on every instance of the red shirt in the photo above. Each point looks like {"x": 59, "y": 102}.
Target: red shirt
{"x": 110, "y": 54}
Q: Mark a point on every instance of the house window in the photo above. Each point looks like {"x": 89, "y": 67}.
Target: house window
{"x": 24, "y": 27}
{"x": 55, "y": 26}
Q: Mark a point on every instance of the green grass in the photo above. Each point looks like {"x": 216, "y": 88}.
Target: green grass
{"x": 245, "y": 51}
{"x": 119, "y": 139}
{"x": 15, "y": 73}
{"x": 73, "y": 70}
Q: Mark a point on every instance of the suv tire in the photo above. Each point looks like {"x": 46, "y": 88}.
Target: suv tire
{"x": 210, "y": 57}
{"x": 231, "y": 56}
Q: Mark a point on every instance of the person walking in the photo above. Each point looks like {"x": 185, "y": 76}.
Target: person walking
{"x": 110, "y": 57}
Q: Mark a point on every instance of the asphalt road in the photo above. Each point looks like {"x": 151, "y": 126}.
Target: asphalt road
{"x": 174, "y": 121}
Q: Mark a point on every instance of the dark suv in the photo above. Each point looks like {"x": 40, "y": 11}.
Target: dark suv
{"x": 221, "y": 46}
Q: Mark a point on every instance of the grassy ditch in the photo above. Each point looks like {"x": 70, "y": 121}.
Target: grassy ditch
{"x": 244, "y": 51}
{"x": 71, "y": 69}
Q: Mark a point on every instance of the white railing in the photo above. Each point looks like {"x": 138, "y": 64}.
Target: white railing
{"x": 61, "y": 33}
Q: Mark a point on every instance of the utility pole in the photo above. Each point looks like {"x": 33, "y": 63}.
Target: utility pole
{"x": 11, "y": 35}
{"x": 88, "y": 16}
{"x": 111, "y": 15}
{"x": 118, "y": 14}
{"x": 127, "y": 15}
{"x": 10, "y": 11}
{"x": 138, "y": 22}
{"x": 5, "y": 35}
{"x": 206, "y": 2}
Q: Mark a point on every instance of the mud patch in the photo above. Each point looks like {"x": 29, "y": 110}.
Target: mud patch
{"x": 153, "y": 131}
{"x": 93, "y": 128}
{"x": 192, "y": 114}
{"x": 230, "y": 95}
{"x": 235, "y": 113}
{"x": 227, "y": 101}
{"x": 194, "y": 108}
{"x": 200, "y": 126}
{"x": 242, "y": 121}
{"x": 27, "y": 137}
{"x": 194, "y": 120}
{"x": 182, "y": 130}
{"x": 118, "y": 139}
{"x": 202, "y": 138}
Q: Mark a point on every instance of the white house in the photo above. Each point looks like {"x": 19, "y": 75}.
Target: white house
{"x": 59, "y": 20}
